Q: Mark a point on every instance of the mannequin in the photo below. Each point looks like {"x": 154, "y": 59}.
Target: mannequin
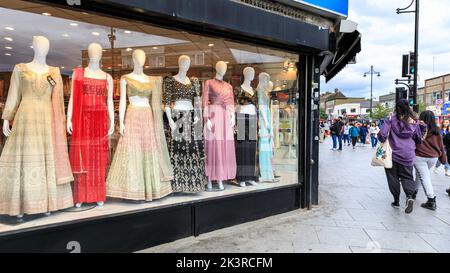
{"x": 219, "y": 113}
{"x": 249, "y": 75}
{"x": 184, "y": 62}
{"x": 94, "y": 77}
{"x": 140, "y": 169}
{"x": 187, "y": 151}
{"x": 247, "y": 131}
{"x": 41, "y": 46}
{"x": 44, "y": 184}
{"x": 137, "y": 74}
{"x": 265, "y": 131}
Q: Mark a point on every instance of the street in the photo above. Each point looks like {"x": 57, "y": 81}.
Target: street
{"x": 354, "y": 215}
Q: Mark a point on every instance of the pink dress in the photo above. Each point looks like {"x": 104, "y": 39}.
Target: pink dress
{"x": 218, "y": 102}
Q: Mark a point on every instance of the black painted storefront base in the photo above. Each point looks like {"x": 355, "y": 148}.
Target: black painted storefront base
{"x": 144, "y": 229}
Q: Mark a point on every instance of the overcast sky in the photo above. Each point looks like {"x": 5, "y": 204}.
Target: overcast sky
{"x": 386, "y": 36}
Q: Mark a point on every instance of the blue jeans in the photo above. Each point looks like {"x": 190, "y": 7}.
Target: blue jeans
{"x": 337, "y": 139}
{"x": 374, "y": 140}
{"x": 346, "y": 139}
{"x": 446, "y": 166}
{"x": 363, "y": 138}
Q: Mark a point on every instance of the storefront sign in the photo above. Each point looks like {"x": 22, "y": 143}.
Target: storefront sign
{"x": 339, "y": 7}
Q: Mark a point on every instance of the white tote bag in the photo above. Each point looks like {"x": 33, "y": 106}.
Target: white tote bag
{"x": 383, "y": 155}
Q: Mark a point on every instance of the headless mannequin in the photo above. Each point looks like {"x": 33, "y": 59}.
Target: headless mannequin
{"x": 93, "y": 71}
{"x": 137, "y": 74}
{"x": 250, "y": 109}
{"x": 184, "y": 62}
{"x": 221, "y": 69}
{"x": 41, "y": 46}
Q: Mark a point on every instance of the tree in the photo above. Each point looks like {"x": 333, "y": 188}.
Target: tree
{"x": 323, "y": 114}
{"x": 380, "y": 111}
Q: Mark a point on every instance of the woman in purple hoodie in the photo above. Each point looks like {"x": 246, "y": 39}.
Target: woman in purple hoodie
{"x": 404, "y": 133}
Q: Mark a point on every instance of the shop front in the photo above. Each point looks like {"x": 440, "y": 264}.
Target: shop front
{"x": 128, "y": 124}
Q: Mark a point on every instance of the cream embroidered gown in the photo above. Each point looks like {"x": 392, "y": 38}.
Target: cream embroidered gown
{"x": 141, "y": 168}
{"x": 35, "y": 172}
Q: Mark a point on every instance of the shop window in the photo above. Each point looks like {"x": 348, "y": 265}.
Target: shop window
{"x": 138, "y": 149}
{"x": 353, "y": 110}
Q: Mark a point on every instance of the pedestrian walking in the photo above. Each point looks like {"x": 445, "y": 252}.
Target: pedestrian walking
{"x": 321, "y": 131}
{"x": 373, "y": 134}
{"x": 336, "y": 133}
{"x": 403, "y": 133}
{"x": 363, "y": 131}
{"x": 444, "y": 131}
{"x": 346, "y": 136}
{"x": 427, "y": 153}
{"x": 447, "y": 147}
{"x": 354, "y": 133}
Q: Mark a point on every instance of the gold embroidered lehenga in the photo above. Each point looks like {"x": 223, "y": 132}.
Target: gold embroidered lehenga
{"x": 35, "y": 172}
{"x": 141, "y": 168}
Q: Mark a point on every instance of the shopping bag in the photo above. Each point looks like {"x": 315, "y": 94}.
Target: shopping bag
{"x": 383, "y": 155}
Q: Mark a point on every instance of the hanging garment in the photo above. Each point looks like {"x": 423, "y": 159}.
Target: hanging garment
{"x": 246, "y": 139}
{"x": 34, "y": 165}
{"x": 265, "y": 133}
{"x": 187, "y": 152}
{"x": 218, "y": 102}
{"x": 141, "y": 169}
{"x": 276, "y": 125}
{"x": 89, "y": 147}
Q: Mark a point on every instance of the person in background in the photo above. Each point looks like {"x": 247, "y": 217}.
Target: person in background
{"x": 346, "y": 135}
{"x": 373, "y": 134}
{"x": 444, "y": 131}
{"x": 363, "y": 133}
{"x": 447, "y": 147}
{"x": 427, "y": 153}
{"x": 336, "y": 133}
{"x": 403, "y": 133}
{"x": 354, "y": 133}
{"x": 321, "y": 131}
{"x": 326, "y": 128}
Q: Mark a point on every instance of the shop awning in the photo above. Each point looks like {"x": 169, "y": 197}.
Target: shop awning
{"x": 347, "y": 47}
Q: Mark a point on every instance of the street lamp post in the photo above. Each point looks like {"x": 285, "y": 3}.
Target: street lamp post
{"x": 371, "y": 73}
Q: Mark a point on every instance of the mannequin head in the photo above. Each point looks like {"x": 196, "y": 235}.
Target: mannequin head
{"x": 41, "y": 46}
{"x": 221, "y": 68}
{"x": 95, "y": 52}
{"x": 264, "y": 79}
{"x": 139, "y": 58}
{"x": 249, "y": 73}
{"x": 184, "y": 62}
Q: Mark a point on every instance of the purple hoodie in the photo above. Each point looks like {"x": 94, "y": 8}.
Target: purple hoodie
{"x": 402, "y": 138}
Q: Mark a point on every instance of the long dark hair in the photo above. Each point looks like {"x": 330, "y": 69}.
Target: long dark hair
{"x": 403, "y": 110}
{"x": 429, "y": 119}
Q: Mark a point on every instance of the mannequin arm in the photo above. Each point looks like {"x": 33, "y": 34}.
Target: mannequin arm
{"x": 122, "y": 105}
{"x": 70, "y": 107}
{"x": 110, "y": 104}
{"x": 169, "y": 117}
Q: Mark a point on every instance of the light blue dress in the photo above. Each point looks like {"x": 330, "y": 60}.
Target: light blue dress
{"x": 265, "y": 143}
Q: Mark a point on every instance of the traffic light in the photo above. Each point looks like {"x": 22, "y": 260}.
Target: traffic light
{"x": 400, "y": 93}
{"x": 412, "y": 62}
{"x": 405, "y": 66}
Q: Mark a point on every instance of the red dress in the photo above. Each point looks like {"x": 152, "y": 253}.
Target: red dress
{"x": 89, "y": 148}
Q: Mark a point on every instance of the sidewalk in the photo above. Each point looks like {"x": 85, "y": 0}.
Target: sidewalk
{"x": 354, "y": 216}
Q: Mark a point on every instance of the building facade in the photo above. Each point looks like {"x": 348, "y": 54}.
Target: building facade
{"x": 387, "y": 100}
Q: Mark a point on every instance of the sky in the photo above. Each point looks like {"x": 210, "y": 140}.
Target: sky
{"x": 386, "y": 36}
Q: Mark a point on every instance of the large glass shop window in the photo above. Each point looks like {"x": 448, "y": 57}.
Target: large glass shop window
{"x": 103, "y": 116}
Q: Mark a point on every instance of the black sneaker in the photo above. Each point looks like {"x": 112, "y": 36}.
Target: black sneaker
{"x": 448, "y": 191}
{"x": 409, "y": 205}
{"x": 395, "y": 204}
{"x": 430, "y": 204}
